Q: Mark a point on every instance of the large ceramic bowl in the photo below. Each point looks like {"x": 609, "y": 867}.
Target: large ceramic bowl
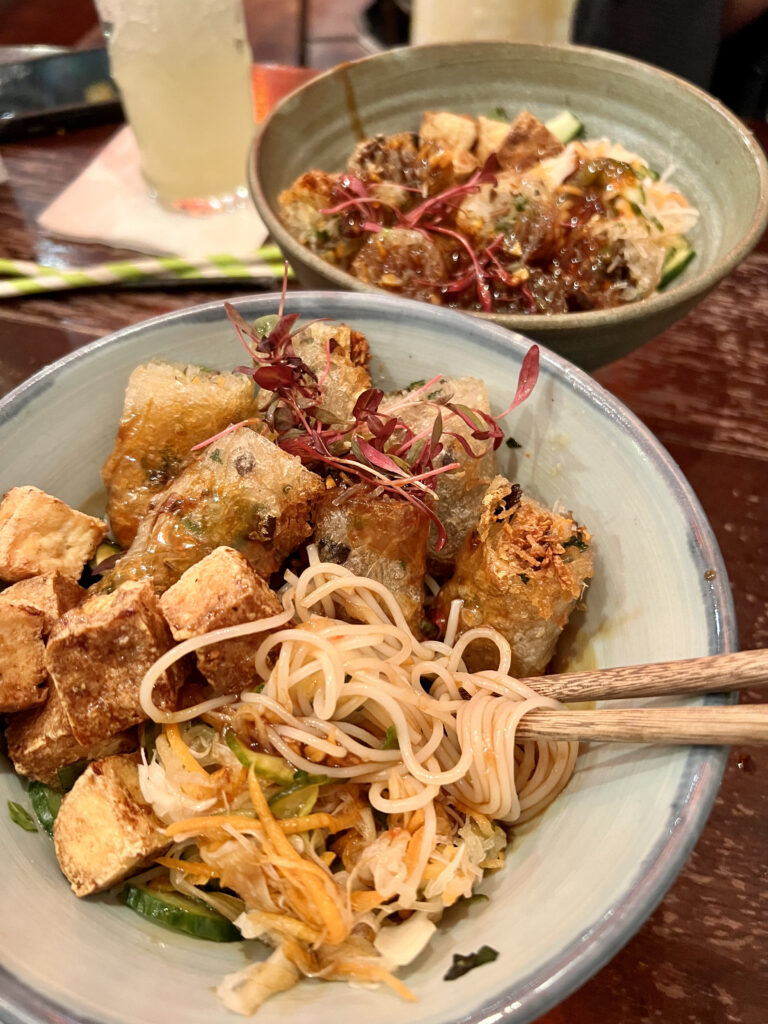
{"x": 582, "y": 878}
{"x": 717, "y": 163}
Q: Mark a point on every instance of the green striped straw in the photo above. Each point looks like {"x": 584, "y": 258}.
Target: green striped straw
{"x": 23, "y": 277}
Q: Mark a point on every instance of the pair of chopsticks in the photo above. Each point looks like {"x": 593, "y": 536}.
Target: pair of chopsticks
{"x": 22, "y": 277}
{"x": 712, "y": 724}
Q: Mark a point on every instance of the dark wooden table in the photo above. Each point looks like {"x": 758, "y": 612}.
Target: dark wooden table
{"x": 702, "y": 387}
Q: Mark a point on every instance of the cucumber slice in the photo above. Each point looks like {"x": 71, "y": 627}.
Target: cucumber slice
{"x": 266, "y": 765}
{"x": 179, "y": 913}
{"x": 297, "y": 804}
{"x": 678, "y": 256}
{"x": 45, "y": 803}
{"x": 565, "y": 126}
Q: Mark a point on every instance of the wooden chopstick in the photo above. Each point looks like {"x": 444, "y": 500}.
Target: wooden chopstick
{"x": 708, "y": 725}
{"x": 718, "y": 673}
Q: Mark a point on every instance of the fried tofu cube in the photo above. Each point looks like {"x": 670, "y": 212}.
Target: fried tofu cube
{"x": 338, "y": 356}
{"x": 22, "y": 657}
{"x": 243, "y": 492}
{"x": 39, "y": 533}
{"x": 529, "y": 141}
{"x": 221, "y": 590}
{"x": 168, "y": 408}
{"x": 522, "y": 571}
{"x": 490, "y": 137}
{"x": 456, "y": 133}
{"x": 51, "y": 593}
{"x": 460, "y": 493}
{"x": 383, "y": 538}
{"x": 105, "y": 830}
{"x": 97, "y": 656}
{"x": 40, "y": 742}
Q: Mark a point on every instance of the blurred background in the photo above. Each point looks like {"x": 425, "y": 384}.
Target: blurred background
{"x": 721, "y": 45}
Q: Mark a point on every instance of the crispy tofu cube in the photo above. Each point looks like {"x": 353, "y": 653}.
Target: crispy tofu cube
{"x": 521, "y": 571}
{"x": 456, "y": 133}
{"x": 22, "y": 657}
{"x": 168, "y": 408}
{"x": 41, "y": 741}
{"x": 105, "y": 830}
{"x": 490, "y": 137}
{"x": 243, "y": 492}
{"x": 460, "y": 493}
{"x": 52, "y": 594}
{"x": 221, "y": 590}
{"x": 98, "y": 654}
{"x": 383, "y": 538}
{"x": 344, "y": 354}
{"x": 39, "y": 533}
{"x": 528, "y": 142}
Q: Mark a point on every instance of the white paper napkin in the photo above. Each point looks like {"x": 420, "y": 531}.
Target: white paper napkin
{"x": 109, "y": 203}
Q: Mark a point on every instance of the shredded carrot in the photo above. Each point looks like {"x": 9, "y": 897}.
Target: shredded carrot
{"x": 366, "y": 899}
{"x": 310, "y": 876}
{"x": 285, "y": 924}
{"x": 366, "y": 972}
{"x": 190, "y": 867}
{"x": 413, "y": 850}
{"x": 181, "y": 750}
{"x": 242, "y": 823}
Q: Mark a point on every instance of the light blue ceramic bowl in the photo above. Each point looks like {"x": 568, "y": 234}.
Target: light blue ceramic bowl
{"x": 581, "y": 879}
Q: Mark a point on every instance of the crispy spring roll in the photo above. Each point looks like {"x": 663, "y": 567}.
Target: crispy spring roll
{"x": 460, "y": 492}
{"x": 383, "y": 538}
{"x": 241, "y": 491}
{"x": 521, "y": 570}
{"x": 168, "y": 408}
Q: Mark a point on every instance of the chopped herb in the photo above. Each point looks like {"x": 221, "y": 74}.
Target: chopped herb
{"x": 476, "y": 897}
{"x": 401, "y": 563}
{"x": 390, "y": 740}
{"x": 520, "y": 203}
{"x": 512, "y": 443}
{"x": 434, "y": 394}
{"x": 216, "y": 455}
{"x": 45, "y": 803}
{"x": 575, "y": 542}
{"x": 429, "y": 629}
{"x": 259, "y": 688}
{"x": 498, "y": 114}
{"x": 415, "y": 384}
{"x": 70, "y": 773}
{"x": 523, "y": 577}
{"x": 322, "y": 236}
{"x": 192, "y": 525}
{"x": 21, "y": 817}
{"x": 463, "y": 964}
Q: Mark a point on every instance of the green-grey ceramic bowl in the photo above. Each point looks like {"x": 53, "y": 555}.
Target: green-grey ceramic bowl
{"x": 717, "y": 163}
{"x": 581, "y": 879}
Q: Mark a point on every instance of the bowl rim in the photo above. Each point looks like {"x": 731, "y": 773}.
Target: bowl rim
{"x": 700, "y": 777}
{"x": 679, "y": 293}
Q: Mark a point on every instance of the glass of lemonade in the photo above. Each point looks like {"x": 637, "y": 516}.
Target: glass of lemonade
{"x": 183, "y": 68}
{"x": 528, "y": 21}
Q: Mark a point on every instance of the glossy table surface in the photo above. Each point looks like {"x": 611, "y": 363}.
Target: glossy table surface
{"x": 702, "y": 388}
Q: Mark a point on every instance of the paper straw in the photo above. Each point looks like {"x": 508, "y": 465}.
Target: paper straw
{"x": 26, "y": 278}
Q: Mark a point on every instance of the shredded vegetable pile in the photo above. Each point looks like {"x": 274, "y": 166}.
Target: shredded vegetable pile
{"x": 336, "y": 809}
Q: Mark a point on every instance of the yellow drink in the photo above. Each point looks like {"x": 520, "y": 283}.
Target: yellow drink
{"x": 183, "y": 70}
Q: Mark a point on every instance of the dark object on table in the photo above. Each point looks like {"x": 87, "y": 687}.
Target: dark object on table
{"x": 685, "y": 37}
{"x": 65, "y": 90}
{"x": 384, "y": 23}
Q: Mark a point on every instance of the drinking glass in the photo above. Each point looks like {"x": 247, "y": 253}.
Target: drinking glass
{"x": 183, "y": 68}
{"x": 520, "y": 21}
